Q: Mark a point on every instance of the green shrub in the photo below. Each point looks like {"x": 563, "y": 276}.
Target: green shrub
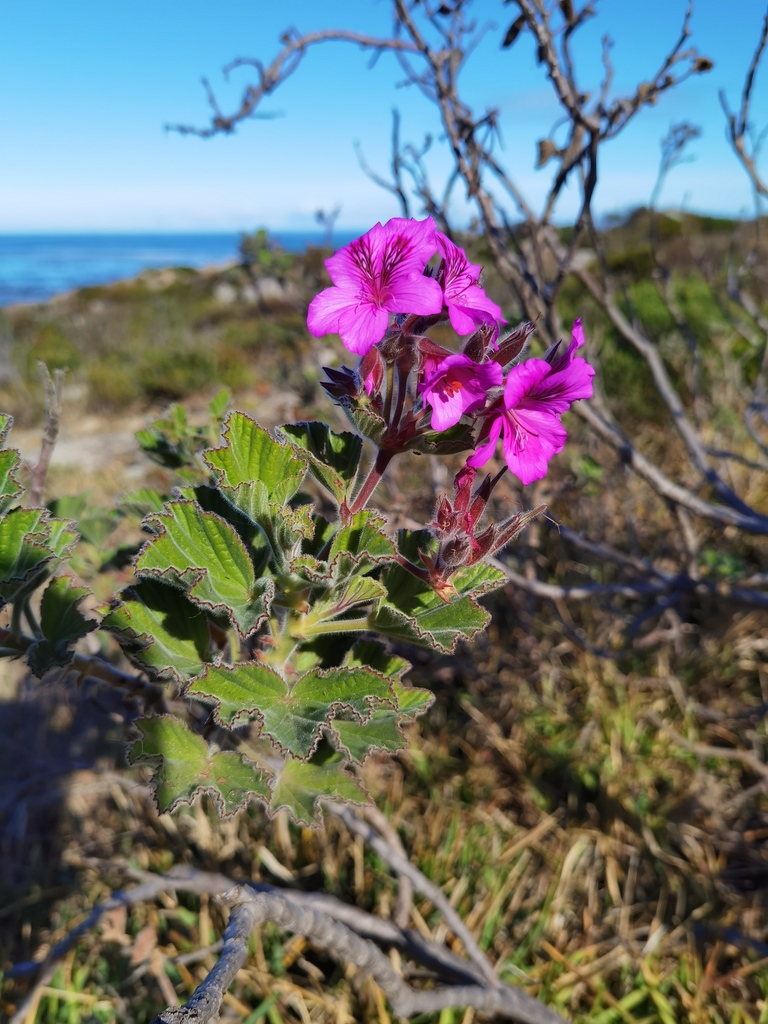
{"x": 174, "y": 372}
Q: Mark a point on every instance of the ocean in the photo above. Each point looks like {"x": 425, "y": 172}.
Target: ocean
{"x": 35, "y": 267}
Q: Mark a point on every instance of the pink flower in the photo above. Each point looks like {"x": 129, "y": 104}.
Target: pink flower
{"x": 458, "y": 385}
{"x": 380, "y": 273}
{"x": 527, "y": 416}
{"x": 468, "y": 305}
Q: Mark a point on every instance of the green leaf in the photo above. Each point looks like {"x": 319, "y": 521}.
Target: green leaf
{"x": 413, "y": 612}
{"x": 184, "y": 768}
{"x": 372, "y": 654}
{"x": 10, "y": 487}
{"x": 204, "y": 555}
{"x": 359, "y": 739}
{"x": 355, "y": 590}
{"x": 291, "y": 718}
{"x": 412, "y": 701}
{"x": 62, "y": 537}
{"x": 61, "y": 622}
{"x": 367, "y": 423}
{"x": 444, "y": 442}
{"x": 6, "y": 422}
{"x": 211, "y": 499}
{"x": 94, "y": 523}
{"x": 360, "y": 545}
{"x": 333, "y": 458}
{"x": 217, "y": 407}
{"x": 382, "y": 731}
{"x": 160, "y": 631}
{"x": 300, "y": 785}
{"x": 255, "y": 466}
{"x": 24, "y": 548}
{"x": 141, "y": 503}
{"x": 61, "y": 625}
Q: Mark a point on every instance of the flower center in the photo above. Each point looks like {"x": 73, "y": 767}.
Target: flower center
{"x": 451, "y": 386}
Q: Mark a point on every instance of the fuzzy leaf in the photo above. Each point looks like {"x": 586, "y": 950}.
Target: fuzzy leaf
{"x": 27, "y": 546}
{"x": 455, "y": 439}
{"x": 254, "y": 467}
{"x": 372, "y": 654}
{"x": 291, "y": 718}
{"x": 61, "y": 622}
{"x": 333, "y": 458}
{"x": 203, "y": 554}
{"x": 160, "y": 631}
{"x": 6, "y": 422}
{"x": 359, "y": 739}
{"x": 360, "y": 545}
{"x": 184, "y": 768}
{"x": 211, "y": 499}
{"x": 10, "y": 488}
{"x": 355, "y": 590}
{"x": 368, "y": 423}
{"x": 300, "y": 785}
{"x": 413, "y": 612}
{"x": 382, "y": 731}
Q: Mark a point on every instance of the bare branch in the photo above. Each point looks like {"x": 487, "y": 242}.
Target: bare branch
{"x": 282, "y": 67}
{"x": 250, "y": 908}
{"x": 52, "y": 388}
{"x": 403, "y": 867}
{"x": 738, "y": 125}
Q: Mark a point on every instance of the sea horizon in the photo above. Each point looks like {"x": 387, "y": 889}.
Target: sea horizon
{"x": 35, "y": 266}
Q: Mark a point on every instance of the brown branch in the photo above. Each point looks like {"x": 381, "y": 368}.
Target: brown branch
{"x": 250, "y": 909}
{"x": 738, "y": 124}
{"x": 747, "y": 518}
{"x": 281, "y": 68}
{"x": 420, "y": 882}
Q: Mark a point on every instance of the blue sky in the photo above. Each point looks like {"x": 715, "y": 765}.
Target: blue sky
{"x": 87, "y": 86}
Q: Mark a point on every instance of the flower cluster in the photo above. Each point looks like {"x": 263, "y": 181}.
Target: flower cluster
{"x": 386, "y": 294}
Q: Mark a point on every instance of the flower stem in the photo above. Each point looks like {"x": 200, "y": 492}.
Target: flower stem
{"x": 382, "y": 460}
{"x": 337, "y": 626}
{"x": 415, "y": 570}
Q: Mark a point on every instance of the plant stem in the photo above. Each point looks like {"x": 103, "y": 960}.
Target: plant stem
{"x": 382, "y": 460}
{"x": 337, "y": 626}
{"x": 415, "y": 570}
{"x": 388, "y": 392}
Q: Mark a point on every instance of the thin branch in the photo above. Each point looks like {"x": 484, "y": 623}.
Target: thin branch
{"x": 739, "y": 124}
{"x": 420, "y": 882}
{"x": 250, "y": 909}
{"x": 52, "y": 389}
{"x": 281, "y": 68}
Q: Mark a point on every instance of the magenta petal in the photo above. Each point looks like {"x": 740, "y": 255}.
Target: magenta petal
{"x": 559, "y": 389}
{"x": 485, "y": 451}
{"x": 447, "y": 409}
{"x": 531, "y": 438}
{"x": 577, "y": 335}
{"x": 325, "y": 310}
{"x": 522, "y": 379}
{"x": 421, "y": 295}
{"x": 461, "y": 321}
{"x": 360, "y": 328}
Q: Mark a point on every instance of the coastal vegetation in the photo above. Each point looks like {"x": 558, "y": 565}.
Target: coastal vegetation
{"x": 577, "y": 826}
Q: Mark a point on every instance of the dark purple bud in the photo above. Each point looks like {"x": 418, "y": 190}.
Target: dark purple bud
{"x": 512, "y": 345}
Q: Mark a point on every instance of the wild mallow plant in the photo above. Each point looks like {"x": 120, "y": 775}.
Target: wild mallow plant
{"x": 270, "y": 610}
